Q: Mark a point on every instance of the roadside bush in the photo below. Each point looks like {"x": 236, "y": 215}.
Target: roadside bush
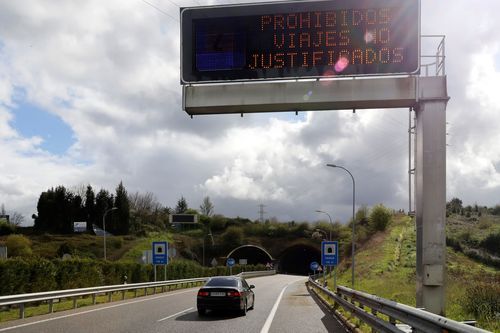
{"x": 65, "y": 248}
{"x": 18, "y": 246}
{"x": 15, "y": 275}
{"x": 492, "y": 243}
{"x": 19, "y": 275}
{"x": 6, "y": 228}
{"x": 380, "y": 217}
{"x": 482, "y": 299}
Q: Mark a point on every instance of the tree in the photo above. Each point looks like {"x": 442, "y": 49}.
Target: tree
{"x": 122, "y": 216}
{"x": 89, "y": 208}
{"x": 103, "y": 201}
{"x": 16, "y": 219}
{"x": 454, "y": 206}
{"x": 233, "y": 237}
{"x": 182, "y": 206}
{"x": 207, "y": 208}
{"x": 380, "y": 217}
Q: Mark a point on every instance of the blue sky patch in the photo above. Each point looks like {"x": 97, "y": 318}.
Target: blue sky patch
{"x": 30, "y": 120}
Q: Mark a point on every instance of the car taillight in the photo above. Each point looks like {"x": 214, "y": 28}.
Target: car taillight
{"x": 202, "y": 293}
{"x": 233, "y": 293}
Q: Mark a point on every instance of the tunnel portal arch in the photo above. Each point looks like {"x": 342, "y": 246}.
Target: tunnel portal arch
{"x": 253, "y": 253}
{"x": 296, "y": 259}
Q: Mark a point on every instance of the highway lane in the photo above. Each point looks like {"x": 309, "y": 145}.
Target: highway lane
{"x": 282, "y": 304}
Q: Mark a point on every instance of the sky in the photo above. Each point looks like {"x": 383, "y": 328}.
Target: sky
{"x": 90, "y": 94}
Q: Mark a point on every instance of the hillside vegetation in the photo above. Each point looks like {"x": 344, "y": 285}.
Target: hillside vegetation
{"x": 385, "y": 266}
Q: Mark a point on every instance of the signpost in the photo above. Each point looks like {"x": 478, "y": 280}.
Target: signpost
{"x": 314, "y": 266}
{"x": 329, "y": 257}
{"x": 160, "y": 256}
{"x": 299, "y": 39}
{"x": 230, "y": 263}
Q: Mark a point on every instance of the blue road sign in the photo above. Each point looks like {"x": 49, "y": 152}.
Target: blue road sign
{"x": 329, "y": 253}
{"x": 230, "y": 262}
{"x": 314, "y": 266}
{"x": 160, "y": 253}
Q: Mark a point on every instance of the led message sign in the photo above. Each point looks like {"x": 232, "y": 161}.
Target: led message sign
{"x": 299, "y": 39}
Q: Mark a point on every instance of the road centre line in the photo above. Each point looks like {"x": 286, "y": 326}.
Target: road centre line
{"x": 175, "y": 314}
{"x": 269, "y": 320}
{"x": 93, "y": 310}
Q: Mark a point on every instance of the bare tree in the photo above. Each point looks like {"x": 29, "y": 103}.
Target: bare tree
{"x": 16, "y": 219}
{"x": 207, "y": 208}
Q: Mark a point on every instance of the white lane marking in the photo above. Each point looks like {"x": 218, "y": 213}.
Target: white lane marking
{"x": 269, "y": 320}
{"x": 175, "y": 314}
{"x": 89, "y": 311}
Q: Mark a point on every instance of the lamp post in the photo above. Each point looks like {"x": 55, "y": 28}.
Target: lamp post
{"x": 353, "y": 216}
{"x": 320, "y": 231}
{"x": 331, "y": 223}
{"x": 104, "y": 227}
{"x": 330, "y": 238}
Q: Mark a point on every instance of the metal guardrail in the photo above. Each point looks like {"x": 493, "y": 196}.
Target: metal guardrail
{"x": 50, "y": 296}
{"x": 418, "y": 320}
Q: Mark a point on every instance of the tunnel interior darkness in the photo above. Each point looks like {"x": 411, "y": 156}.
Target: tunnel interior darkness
{"x": 297, "y": 259}
{"x": 253, "y": 254}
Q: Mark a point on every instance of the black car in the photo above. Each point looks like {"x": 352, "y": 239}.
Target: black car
{"x": 226, "y": 293}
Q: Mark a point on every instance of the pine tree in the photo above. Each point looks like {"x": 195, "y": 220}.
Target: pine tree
{"x": 122, "y": 216}
{"x": 182, "y": 206}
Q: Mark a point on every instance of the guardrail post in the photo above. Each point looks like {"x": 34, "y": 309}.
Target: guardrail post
{"x": 135, "y": 293}
{"x": 154, "y": 290}
{"x": 21, "y": 311}
{"x": 146, "y": 291}
{"x": 74, "y": 302}
{"x": 110, "y": 295}
{"x": 392, "y": 320}
{"x": 51, "y": 306}
{"x": 123, "y": 295}
{"x": 94, "y": 299}
{"x": 374, "y": 312}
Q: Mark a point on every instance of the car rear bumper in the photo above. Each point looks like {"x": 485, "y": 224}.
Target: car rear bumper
{"x": 213, "y": 303}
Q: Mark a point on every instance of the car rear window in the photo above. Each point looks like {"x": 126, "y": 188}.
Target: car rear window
{"x": 222, "y": 282}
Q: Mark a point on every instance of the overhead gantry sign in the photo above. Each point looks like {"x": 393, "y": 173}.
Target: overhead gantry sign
{"x": 299, "y": 39}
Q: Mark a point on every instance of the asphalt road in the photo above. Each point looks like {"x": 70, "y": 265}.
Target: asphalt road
{"x": 282, "y": 304}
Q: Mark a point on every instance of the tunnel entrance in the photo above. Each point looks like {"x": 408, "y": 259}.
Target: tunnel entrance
{"x": 296, "y": 259}
{"x": 254, "y": 255}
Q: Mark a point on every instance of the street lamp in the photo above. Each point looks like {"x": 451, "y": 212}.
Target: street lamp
{"x": 353, "y": 217}
{"x": 320, "y": 231}
{"x": 104, "y": 227}
{"x": 331, "y": 223}
{"x": 330, "y": 239}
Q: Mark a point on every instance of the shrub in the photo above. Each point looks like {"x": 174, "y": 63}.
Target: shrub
{"x": 18, "y": 246}
{"x": 6, "y": 228}
{"x": 492, "y": 243}
{"x": 233, "y": 237}
{"x": 65, "y": 248}
{"x": 482, "y": 299}
{"x": 380, "y": 217}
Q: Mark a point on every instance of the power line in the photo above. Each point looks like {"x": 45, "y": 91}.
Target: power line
{"x": 161, "y": 11}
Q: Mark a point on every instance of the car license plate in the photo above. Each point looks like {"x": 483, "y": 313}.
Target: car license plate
{"x": 217, "y": 293}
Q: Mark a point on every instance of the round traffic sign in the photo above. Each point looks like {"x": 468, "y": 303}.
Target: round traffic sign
{"x": 230, "y": 262}
{"x": 314, "y": 266}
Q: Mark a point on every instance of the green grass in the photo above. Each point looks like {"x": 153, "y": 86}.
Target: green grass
{"x": 142, "y": 244}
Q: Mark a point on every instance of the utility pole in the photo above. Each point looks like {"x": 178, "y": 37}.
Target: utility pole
{"x": 261, "y": 212}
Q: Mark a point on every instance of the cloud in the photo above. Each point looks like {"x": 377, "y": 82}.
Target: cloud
{"x": 110, "y": 71}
